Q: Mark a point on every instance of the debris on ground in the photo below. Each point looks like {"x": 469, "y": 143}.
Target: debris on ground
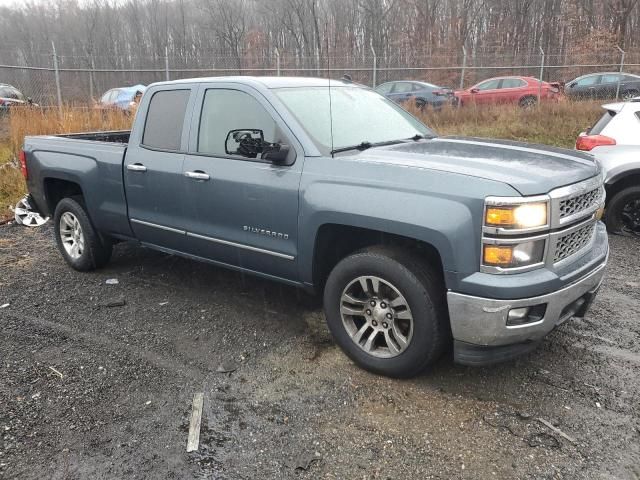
{"x": 112, "y": 281}
{"x": 226, "y": 367}
{"x": 56, "y": 372}
{"x": 305, "y": 460}
{"x": 115, "y": 302}
{"x": 4, "y": 305}
{"x": 550, "y": 426}
{"x": 193, "y": 440}
{"x": 26, "y": 215}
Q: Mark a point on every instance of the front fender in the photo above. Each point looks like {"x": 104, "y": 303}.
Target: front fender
{"x": 438, "y": 208}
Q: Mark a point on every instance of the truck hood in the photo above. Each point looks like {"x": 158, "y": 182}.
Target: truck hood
{"x": 530, "y": 169}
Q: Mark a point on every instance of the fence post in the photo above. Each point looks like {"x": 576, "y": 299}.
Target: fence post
{"x": 57, "y": 74}
{"x": 375, "y": 66}
{"x": 464, "y": 66}
{"x": 541, "y": 75}
{"x": 166, "y": 63}
{"x": 621, "y": 69}
{"x": 91, "y": 80}
{"x": 277, "y": 53}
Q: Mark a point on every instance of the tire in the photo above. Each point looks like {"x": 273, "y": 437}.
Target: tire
{"x": 528, "y": 102}
{"x": 73, "y": 227}
{"x": 629, "y": 94}
{"x": 421, "y": 289}
{"x": 621, "y": 217}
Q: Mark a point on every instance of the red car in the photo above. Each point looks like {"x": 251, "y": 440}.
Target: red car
{"x": 521, "y": 91}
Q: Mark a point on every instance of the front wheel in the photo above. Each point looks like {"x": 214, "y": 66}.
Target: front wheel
{"x": 386, "y": 310}
{"x": 79, "y": 243}
{"x": 623, "y": 212}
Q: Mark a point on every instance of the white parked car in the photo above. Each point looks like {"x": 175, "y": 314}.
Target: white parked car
{"x": 615, "y": 142}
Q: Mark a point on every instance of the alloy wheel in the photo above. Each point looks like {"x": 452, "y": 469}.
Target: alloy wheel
{"x": 631, "y": 217}
{"x": 71, "y": 235}
{"x": 376, "y": 316}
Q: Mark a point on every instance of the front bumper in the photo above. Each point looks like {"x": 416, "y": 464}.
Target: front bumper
{"x": 479, "y": 325}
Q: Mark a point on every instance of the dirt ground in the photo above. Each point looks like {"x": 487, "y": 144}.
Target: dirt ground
{"x": 97, "y": 380}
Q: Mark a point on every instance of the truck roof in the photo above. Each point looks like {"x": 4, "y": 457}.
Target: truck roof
{"x": 268, "y": 82}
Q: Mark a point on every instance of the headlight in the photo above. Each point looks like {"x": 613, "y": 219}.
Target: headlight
{"x": 513, "y": 255}
{"x": 517, "y": 217}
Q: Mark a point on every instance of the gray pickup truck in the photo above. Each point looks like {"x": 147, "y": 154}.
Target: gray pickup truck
{"x": 415, "y": 241}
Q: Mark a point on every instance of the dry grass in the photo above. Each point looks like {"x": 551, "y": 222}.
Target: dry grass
{"x": 26, "y": 122}
{"x": 552, "y": 124}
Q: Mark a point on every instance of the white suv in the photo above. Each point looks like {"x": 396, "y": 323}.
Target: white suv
{"x": 615, "y": 142}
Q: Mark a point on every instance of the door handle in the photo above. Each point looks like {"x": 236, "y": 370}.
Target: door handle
{"x": 136, "y": 167}
{"x": 197, "y": 175}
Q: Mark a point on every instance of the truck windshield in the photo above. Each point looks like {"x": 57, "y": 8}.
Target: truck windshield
{"x": 358, "y": 116}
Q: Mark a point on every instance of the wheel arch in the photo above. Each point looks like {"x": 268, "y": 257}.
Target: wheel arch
{"x": 621, "y": 181}
{"x": 55, "y": 189}
{"x": 336, "y": 241}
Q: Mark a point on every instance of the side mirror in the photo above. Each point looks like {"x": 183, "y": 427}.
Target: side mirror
{"x": 475, "y": 90}
{"x": 277, "y": 154}
{"x": 244, "y": 142}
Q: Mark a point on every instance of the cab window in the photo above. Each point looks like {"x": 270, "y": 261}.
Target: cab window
{"x": 165, "y": 120}
{"x": 225, "y": 110}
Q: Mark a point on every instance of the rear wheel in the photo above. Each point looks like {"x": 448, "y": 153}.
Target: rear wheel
{"x": 386, "y": 310}
{"x": 79, "y": 243}
{"x": 528, "y": 102}
{"x": 629, "y": 94}
{"x": 623, "y": 212}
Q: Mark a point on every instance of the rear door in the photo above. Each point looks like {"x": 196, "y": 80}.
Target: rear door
{"x": 153, "y": 167}
{"x": 401, "y": 92}
{"x": 512, "y": 90}
{"x": 241, "y": 210}
{"x": 608, "y": 85}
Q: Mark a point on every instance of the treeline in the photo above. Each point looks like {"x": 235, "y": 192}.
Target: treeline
{"x": 114, "y": 34}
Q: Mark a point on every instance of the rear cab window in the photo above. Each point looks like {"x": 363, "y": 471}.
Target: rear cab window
{"x": 165, "y": 120}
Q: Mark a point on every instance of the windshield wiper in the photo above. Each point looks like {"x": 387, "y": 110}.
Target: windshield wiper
{"x": 361, "y": 146}
{"x": 365, "y": 144}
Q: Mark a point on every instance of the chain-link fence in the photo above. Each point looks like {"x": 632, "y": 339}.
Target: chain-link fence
{"x": 77, "y": 80}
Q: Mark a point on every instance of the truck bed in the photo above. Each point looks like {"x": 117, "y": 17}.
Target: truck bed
{"x": 116, "y": 136}
{"x": 92, "y": 160}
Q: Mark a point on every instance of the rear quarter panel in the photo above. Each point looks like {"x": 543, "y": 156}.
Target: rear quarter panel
{"x": 95, "y": 166}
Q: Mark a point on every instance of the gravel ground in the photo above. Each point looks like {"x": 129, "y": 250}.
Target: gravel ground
{"x": 94, "y": 388}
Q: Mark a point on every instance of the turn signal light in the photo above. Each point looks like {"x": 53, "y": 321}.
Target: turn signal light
{"x": 497, "y": 255}
{"x": 500, "y": 216}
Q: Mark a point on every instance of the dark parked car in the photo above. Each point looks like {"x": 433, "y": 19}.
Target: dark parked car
{"x": 604, "y": 85}
{"x": 422, "y": 93}
{"x": 10, "y": 96}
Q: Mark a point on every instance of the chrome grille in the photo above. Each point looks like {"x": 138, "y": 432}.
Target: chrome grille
{"x": 573, "y": 242}
{"x": 579, "y": 203}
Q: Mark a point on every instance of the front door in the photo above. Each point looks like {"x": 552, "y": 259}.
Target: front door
{"x": 487, "y": 92}
{"x": 153, "y": 174}
{"x": 241, "y": 210}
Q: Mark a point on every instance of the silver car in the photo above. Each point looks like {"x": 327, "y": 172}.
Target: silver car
{"x": 615, "y": 142}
